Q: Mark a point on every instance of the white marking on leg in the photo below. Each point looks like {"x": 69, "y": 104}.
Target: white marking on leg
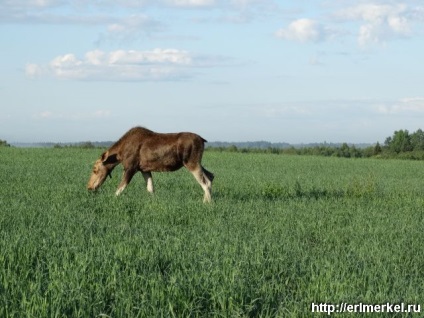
{"x": 205, "y": 183}
{"x": 150, "y": 185}
{"x": 120, "y": 189}
{"x": 149, "y": 181}
{"x": 207, "y": 188}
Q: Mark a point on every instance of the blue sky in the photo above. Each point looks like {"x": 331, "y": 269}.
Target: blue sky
{"x": 237, "y": 70}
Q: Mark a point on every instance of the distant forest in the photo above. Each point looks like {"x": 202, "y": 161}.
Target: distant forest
{"x": 402, "y": 144}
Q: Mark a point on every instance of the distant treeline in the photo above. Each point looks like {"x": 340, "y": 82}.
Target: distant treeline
{"x": 401, "y": 144}
{"x": 83, "y": 144}
{"x": 3, "y": 143}
{"x": 328, "y": 150}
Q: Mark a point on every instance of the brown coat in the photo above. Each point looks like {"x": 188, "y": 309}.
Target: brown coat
{"x": 143, "y": 150}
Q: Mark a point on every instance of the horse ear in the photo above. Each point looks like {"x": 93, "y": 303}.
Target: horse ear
{"x": 104, "y": 156}
{"x": 107, "y": 158}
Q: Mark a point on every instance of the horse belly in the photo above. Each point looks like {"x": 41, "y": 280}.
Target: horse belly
{"x": 166, "y": 167}
{"x": 161, "y": 163}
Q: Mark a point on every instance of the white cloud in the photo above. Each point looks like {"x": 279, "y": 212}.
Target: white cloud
{"x": 375, "y": 22}
{"x": 132, "y": 27}
{"x": 20, "y": 4}
{"x": 335, "y": 110}
{"x": 407, "y": 106}
{"x": 304, "y": 30}
{"x": 47, "y": 115}
{"x": 156, "y": 56}
{"x": 126, "y": 65}
{"x": 191, "y": 3}
{"x": 172, "y": 3}
{"x": 81, "y": 12}
{"x": 33, "y": 70}
{"x": 379, "y": 22}
{"x": 95, "y": 57}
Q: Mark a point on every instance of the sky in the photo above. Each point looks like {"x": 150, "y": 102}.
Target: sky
{"x": 236, "y": 70}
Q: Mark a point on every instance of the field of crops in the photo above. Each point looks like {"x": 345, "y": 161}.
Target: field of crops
{"x": 283, "y": 232}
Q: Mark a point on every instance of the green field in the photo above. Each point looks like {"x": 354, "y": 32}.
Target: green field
{"x": 283, "y": 232}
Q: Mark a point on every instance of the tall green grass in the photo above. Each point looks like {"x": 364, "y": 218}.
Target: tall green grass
{"x": 282, "y": 232}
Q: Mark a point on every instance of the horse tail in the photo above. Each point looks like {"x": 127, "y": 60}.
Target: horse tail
{"x": 208, "y": 174}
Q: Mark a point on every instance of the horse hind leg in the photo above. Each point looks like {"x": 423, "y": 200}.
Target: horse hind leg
{"x": 204, "y": 178}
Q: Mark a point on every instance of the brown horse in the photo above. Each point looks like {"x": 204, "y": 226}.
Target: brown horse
{"x": 143, "y": 150}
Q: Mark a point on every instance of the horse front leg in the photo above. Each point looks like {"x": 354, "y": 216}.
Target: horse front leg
{"x": 149, "y": 181}
{"x": 126, "y": 178}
